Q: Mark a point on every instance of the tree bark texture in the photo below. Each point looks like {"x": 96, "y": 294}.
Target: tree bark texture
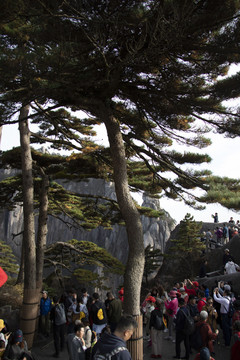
{"x": 42, "y": 230}
{"x": 20, "y": 278}
{"x": 29, "y": 308}
{"x": 135, "y": 263}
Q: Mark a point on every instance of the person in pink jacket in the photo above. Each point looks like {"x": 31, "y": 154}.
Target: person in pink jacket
{"x": 171, "y": 310}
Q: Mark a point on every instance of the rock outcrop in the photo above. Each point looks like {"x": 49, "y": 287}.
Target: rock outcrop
{"x": 172, "y": 270}
{"x": 156, "y": 230}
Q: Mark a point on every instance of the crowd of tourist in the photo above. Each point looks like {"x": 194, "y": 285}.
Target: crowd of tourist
{"x": 188, "y": 313}
{"x": 193, "y": 314}
{"x": 84, "y": 323}
{"x": 221, "y": 235}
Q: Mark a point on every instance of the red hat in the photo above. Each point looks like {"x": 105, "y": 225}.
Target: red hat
{"x": 151, "y": 299}
{"x": 195, "y": 283}
{"x": 173, "y": 293}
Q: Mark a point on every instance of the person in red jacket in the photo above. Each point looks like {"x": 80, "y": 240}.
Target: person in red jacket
{"x": 202, "y": 301}
{"x": 206, "y": 332}
{"x": 3, "y": 277}
{"x": 194, "y": 287}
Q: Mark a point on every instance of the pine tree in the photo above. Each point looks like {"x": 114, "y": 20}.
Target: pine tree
{"x": 150, "y": 72}
{"x": 188, "y": 246}
{"x": 8, "y": 260}
{"x": 153, "y": 261}
{"x": 78, "y": 257}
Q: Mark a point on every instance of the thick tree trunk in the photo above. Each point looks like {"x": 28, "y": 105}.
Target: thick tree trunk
{"x": 30, "y": 295}
{"x": 42, "y": 230}
{"x": 136, "y": 255}
{"x": 135, "y": 264}
{"x": 20, "y": 278}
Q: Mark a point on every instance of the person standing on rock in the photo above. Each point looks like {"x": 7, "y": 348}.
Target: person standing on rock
{"x": 215, "y": 218}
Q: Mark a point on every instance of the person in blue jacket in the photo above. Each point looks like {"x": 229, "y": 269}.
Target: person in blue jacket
{"x": 114, "y": 345}
{"x": 45, "y": 308}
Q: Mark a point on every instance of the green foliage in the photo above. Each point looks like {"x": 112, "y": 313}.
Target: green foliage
{"x": 225, "y": 191}
{"x": 153, "y": 260}
{"x": 80, "y": 257}
{"x": 134, "y": 61}
{"x": 188, "y": 246}
{"x": 8, "y": 260}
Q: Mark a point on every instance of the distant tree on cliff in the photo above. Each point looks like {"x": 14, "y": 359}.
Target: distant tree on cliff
{"x": 153, "y": 260}
{"x": 8, "y": 260}
{"x": 187, "y": 245}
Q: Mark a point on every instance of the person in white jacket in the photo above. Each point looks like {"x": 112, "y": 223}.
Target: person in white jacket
{"x": 226, "y": 320}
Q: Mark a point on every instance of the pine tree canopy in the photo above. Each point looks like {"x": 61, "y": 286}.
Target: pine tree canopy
{"x": 158, "y": 67}
{"x": 87, "y": 211}
{"x": 74, "y": 255}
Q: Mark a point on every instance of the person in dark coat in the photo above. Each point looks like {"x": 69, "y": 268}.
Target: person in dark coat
{"x": 181, "y": 336}
{"x": 76, "y": 343}
{"x": 192, "y": 307}
{"x": 114, "y": 311}
{"x": 203, "y": 269}
{"x": 58, "y": 325}
{"x": 115, "y": 344}
{"x": 98, "y": 323}
{"x": 155, "y": 331}
{"x": 16, "y": 347}
{"x": 227, "y": 257}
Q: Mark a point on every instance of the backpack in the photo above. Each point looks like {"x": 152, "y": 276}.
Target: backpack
{"x": 108, "y": 356}
{"x": 159, "y": 324}
{"x": 189, "y": 325}
{"x": 231, "y": 309}
{"x": 100, "y": 314}
{"x": 60, "y": 316}
{"x": 196, "y": 339}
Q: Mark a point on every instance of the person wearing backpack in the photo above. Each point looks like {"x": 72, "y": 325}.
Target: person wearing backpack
{"x": 226, "y": 319}
{"x": 113, "y": 346}
{"x": 181, "y": 334}
{"x": 156, "y": 325}
{"x": 203, "y": 335}
{"x": 58, "y": 318}
{"x": 98, "y": 314}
